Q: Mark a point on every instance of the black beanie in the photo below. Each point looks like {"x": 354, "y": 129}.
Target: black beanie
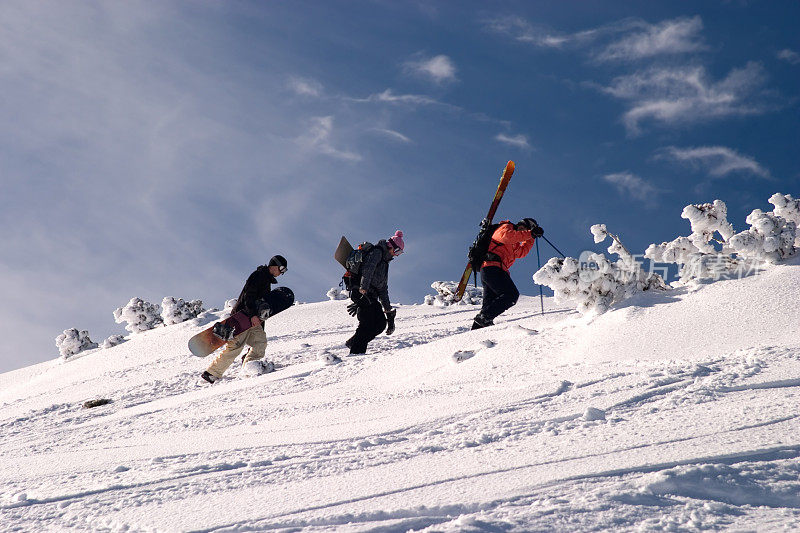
{"x": 278, "y": 261}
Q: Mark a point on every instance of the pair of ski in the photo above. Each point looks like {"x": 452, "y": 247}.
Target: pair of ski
{"x": 498, "y": 195}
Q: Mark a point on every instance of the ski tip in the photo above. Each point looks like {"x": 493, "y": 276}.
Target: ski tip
{"x": 510, "y": 166}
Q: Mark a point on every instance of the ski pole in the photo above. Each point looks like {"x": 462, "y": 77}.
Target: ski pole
{"x": 539, "y": 264}
{"x": 554, "y": 246}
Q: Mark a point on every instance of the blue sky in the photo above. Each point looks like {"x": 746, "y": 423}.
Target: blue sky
{"x": 157, "y": 149}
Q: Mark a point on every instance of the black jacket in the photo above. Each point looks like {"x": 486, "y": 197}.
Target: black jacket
{"x": 375, "y": 273}
{"x": 257, "y": 287}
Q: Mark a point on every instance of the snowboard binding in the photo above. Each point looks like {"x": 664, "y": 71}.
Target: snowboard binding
{"x": 222, "y": 331}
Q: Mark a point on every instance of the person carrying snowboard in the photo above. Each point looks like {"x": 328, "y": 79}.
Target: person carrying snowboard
{"x": 252, "y": 301}
{"x": 509, "y": 243}
{"x": 371, "y": 294}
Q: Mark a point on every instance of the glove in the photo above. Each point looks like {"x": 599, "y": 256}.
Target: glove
{"x": 537, "y": 232}
{"x": 263, "y": 309}
{"x": 390, "y": 314}
{"x": 352, "y": 309}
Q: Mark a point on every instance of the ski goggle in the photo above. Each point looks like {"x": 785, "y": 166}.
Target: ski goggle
{"x": 282, "y": 269}
{"x": 396, "y": 251}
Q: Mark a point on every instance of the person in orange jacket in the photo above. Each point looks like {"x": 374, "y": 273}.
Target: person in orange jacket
{"x": 509, "y": 243}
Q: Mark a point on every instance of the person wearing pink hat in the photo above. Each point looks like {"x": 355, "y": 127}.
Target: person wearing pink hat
{"x": 370, "y": 294}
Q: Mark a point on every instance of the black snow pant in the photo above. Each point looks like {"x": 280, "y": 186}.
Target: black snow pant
{"x": 499, "y": 293}
{"x": 371, "y": 322}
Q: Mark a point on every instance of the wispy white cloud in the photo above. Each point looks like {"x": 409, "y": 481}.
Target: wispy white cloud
{"x": 388, "y": 96}
{"x": 670, "y": 37}
{"x": 439, "y": 69}
{"x": 625, "y": 40}
{"x": 521, "y": 30}
{"x": 520, "y": 140}
{"x": 318, "y": 138}
{"x": 789, "y": 55}
{"x": 718, "y": 161}
{"x": 686, "y": 95}
{"x": 632, "y": 185}
{"x": 394, "y": 135}
{"x": 305, "y": 86}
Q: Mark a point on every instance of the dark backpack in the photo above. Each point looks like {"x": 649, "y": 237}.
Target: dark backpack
{"x": 479, "y": 251}
{"x": 353, "y": 264}
{"x": 356, "y": 258}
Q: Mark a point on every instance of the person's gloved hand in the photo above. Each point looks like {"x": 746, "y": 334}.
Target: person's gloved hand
{"x": 390, "y": 314}
{"x": 537, "y": 232}
{"x": 352, "y": 309}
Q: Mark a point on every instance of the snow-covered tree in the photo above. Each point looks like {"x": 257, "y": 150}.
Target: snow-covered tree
{"x": 229, "y": 305}
{"x": 788, "y": 208}
{"x": 770, "y": 238}
{"x": 72, "y": 342}
{"x": 337, "y": 294}
{"x": 597, "y": 282}
{"x": 139, "y": 315}
{"x": 446, "y": 291}
{"x": 176, "y": 310}
{"x": 706, "y": 220}
{"x": 696, "y": 255}
{"x": 113, "y": 340}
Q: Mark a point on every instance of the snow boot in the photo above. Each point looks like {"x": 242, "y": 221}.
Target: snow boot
{"x": 211, "y": 378}
{"x": 481, "y": 322}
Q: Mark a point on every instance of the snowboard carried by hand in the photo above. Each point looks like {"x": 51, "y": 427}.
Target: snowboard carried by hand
{"x": 211, "y": 339}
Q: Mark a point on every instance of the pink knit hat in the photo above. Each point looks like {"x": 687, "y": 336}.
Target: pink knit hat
{"x": 397, "y": 240}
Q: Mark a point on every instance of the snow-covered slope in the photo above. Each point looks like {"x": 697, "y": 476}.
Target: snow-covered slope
{"x": 677, "y": 411}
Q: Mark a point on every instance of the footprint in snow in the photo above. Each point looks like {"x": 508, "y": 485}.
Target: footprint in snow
{"x": 329, "y": 358}
{"x": 463, "y": 355}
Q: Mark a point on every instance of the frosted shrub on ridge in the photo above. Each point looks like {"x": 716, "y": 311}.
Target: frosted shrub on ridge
{"x": 788, "y": 208}
{"x": 139, "y": 315}
{"x": 597, "y": 282}
{"x": 446, "y": 291}
{"x": 113, "y": 340}
{"x": 73, "y": 342}
{"x": 770, "y": 238}
{"x": 229, "y": 305}
{"x": 337, "y": 294}
{"x": 696, "y": 255}
{"x": 706, "y": 220}
{"x": 176, "y": 310}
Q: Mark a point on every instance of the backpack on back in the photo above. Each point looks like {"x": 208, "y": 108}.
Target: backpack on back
{"x": 479, "y": 251}
{"x": 353, "y": 264}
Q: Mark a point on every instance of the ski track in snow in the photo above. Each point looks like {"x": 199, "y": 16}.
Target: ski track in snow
{"x": 552, "y": 423}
